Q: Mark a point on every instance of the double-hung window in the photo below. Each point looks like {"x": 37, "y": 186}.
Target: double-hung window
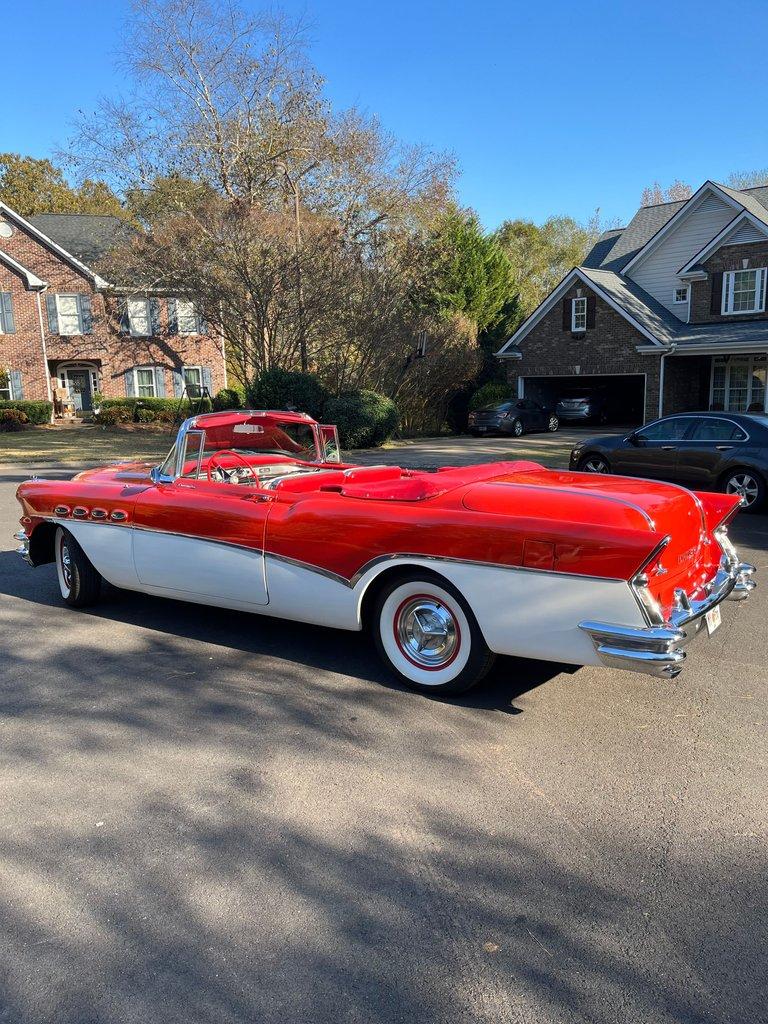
{"x": 744, "y": 291}
{"x": 579, "y": 315}
{"x": 193, "y": 380}
{"x": 738, "y": 383}
{"x": 681, "y": 294}
{"x": 186, "y": 316}
{"x": 69, "y": 314}
{"x": 145, "y": 381}
{"x": 6, "y": 392}
{"x": 139, "y": 320}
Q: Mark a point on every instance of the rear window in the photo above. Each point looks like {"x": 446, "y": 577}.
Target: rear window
{"x": 717, "y": 430}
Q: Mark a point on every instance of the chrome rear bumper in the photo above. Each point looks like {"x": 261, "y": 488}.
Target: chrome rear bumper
{"x": 23, "y": 548}
{"x": 658, "y": 650}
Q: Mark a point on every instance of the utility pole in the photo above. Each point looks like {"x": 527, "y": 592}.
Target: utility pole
{"x": 293, "y": 187}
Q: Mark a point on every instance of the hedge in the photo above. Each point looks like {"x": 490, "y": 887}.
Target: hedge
{"x": 38, "y": 413}
{"x": 148, "y": 410}
{"x": 228, "y": 398}
{"x": 491, "y": 393}
{"x": 12, "y": 420}
{"x": 284, "y": 389}
{"x": 365, "y": 419}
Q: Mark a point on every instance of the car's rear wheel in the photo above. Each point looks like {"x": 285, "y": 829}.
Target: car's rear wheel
{"x": 552, "y": 424}
{"x": 517, "y": 428}
{"x": 79, "y": 582}
{"x": 426, "y": 634}
{"x": 749, "y": 485}
{"x": 594, "y": 464}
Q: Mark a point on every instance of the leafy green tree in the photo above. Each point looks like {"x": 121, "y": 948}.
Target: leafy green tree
{"x": 31, "y": 186}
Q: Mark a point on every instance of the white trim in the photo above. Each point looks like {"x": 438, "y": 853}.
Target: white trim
{"x": 681, "y": 288}
{"x": 576, "y": 314}
{"x": 76, "y": 297}
{"x": 721, "y": 238}
{"x": 709, "y": 348}
{"x": 145, "y": 300}
{"x": 575, "y": 376}
{"x": 547, "y": 304}
{"x": 729, "y": 281}
{"x": 685, "y": 209}
{"x": 184, "y": 379}
{"x": 48, "y": 388}
{"x": 98, "y": 282}
{"x": 33, "y": 282}
{"x": 136, "y": 382}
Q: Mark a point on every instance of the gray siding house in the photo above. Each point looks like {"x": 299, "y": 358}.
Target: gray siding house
{"x": 666, "y": 315}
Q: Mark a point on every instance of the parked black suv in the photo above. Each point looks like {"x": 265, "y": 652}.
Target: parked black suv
{"x": 708, "y": 451}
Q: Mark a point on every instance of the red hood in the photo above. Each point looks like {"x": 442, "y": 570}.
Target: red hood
{"x": 122, "y": 472}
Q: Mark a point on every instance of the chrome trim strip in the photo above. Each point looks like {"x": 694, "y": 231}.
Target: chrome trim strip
{"x": 577, "y": 490}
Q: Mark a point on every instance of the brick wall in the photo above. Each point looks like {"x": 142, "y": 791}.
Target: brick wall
{"x": 686, "y": 383}
{"x": 728, "y": 257}
{"x": 113, "y": 352}
{"x": 608, "y": 347}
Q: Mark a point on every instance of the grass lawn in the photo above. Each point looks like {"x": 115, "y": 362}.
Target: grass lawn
{"x": 84, "y": 444}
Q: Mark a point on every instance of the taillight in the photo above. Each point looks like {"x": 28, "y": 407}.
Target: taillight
{"x": 641, "y": 584}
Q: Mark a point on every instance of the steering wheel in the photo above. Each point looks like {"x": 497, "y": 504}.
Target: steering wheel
{"x": 214, "y": 461}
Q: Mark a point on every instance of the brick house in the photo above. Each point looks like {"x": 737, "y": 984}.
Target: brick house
{"x": 63, "y": 325}
{"x": 666, "y": 315}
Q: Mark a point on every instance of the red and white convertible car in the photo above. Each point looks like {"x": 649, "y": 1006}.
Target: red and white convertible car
{"x": 254, "y": 511}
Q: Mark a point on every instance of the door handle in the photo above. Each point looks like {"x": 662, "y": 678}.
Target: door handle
{"x": 668, "y": 447}
{"x": 723, "y": 447}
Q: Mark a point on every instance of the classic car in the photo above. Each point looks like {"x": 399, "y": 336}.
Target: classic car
{"x": 254, "y": 510}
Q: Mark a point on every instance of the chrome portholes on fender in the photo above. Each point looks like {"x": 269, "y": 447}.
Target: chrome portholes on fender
{"x": 426, "y": 633}
{"x": 79, "y": 582}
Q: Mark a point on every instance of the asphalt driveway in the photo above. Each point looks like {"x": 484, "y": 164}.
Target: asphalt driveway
{"x": 206, "y": 816}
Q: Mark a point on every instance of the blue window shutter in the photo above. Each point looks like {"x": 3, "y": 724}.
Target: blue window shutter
{"x": 202, "y": 326}
{"x": 6, "y": 304}
{"x": 130, "y": 391}
{"x": 122, "y": 312}
{"x": 86, "y": 316}
{"x": 154, "y": 317}
{"x": 53, "y": 316}
{"x": 178, "y": 383}
{"x": 173, "y": 320}
{"x": 159, "y": 382}
{"x": 17, "y": 389}
{"x": 208, "y": 379}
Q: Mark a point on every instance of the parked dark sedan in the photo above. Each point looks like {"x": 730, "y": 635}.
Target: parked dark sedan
{"x": 708, "y": 451}
{"x": 512, "y": 417}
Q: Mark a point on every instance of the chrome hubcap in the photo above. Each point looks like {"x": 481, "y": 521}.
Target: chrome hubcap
{"x": 66, "y": 566}
{"x": 553, "y": 424}
{"x": 427, "y": 632}
{"x": 594, "y": 466}
{"x": 518, "y": 429}
{"x": 745, "y": 486}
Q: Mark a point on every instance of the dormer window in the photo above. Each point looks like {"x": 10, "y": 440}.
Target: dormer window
{"x": 744, "y": 291}
{"x": 579, "y": 315}
{"x": 681, "y": 294}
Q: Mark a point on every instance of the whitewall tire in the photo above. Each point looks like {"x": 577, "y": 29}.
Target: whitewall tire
{"x": 79, "y": 582}
{"x": 427, "y": 635}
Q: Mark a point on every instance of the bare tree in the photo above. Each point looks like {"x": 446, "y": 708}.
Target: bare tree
{"x": 654, "y": 194}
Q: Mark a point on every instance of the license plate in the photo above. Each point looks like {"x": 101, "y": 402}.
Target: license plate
{"x": 713, "y": 619}
{"x": 482, "y": 428}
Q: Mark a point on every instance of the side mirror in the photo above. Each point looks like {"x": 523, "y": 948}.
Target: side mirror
{"x": 637, "y": 439}
{"x": 331, "y": 447}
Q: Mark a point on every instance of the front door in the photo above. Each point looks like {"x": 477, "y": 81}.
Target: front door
{"x": 203, "y": 541}
{"x": 79, "y": 383}
{"x": 652, "y": 451}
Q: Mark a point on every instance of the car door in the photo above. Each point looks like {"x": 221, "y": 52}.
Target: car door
{"x": 652, "y": 450}
{"x": 711, "y": 445}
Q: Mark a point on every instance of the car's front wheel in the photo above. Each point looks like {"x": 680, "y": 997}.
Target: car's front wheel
{"x": 426, "y": 634}
{"x": 79, "y": 582}
{"x": 517, "y": 428}
{"x": 552, "y": 424}
{"x": 594, "y": 464}
{"x": 750, "y": 487}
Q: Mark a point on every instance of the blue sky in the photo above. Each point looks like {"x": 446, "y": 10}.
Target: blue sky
{"x": 549, "y": 107}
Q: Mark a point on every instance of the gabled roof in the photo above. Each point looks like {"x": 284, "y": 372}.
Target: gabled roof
{"x": 88, "y": 237}
{"x": 32, "y": 281}
{"x": 641, "y": 229}
{"x": 40, "y": 236}
{"x": 602, "y": 247}
{"x": 745, "y": 217}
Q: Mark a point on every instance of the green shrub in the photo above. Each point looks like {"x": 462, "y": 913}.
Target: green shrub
{"x": 153, "y": 410}
{"x": 227, "y": 398}
{"x": 36, "y": 412}
{"x": 12, "y": 420}
{"x": 365, "y": 419}
{"x": 284, "y": 389}
{"x": 110, "y": 416}
{"x": 490, "y": 394}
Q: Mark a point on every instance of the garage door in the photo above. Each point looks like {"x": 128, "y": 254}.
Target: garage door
{"x": 621, "y": 396}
